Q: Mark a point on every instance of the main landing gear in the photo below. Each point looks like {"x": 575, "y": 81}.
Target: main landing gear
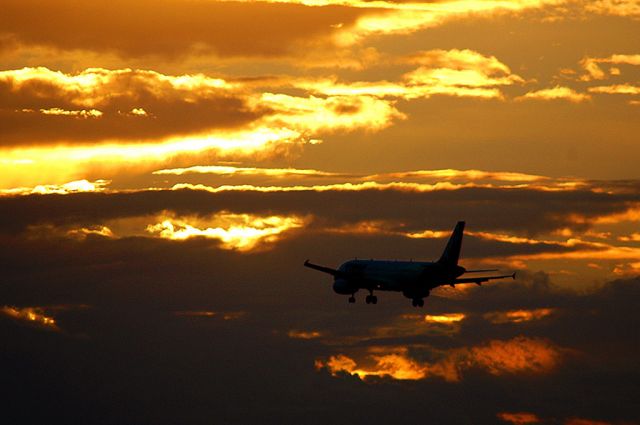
{"x": 369, "y": 299}
{"x": 417, "y": 302}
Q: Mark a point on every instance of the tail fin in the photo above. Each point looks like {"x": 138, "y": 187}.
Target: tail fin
{"x": 452, "y": 251}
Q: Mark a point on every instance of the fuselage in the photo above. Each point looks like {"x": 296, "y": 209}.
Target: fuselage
{"x": 413, "y": 278}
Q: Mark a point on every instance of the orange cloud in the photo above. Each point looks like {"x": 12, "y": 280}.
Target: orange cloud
{"x": 405, "y": 18}
{"x": 625, "y": 8}
{"x": 297, "y": 334}
{"x": 452, "y": 174}
{"x": 592, "y": 65}
{"x": 517, "y": 316}
{"x": 519, "y": 355}
{"x": 519, "y": 418}
{"x": 408, "y": 325}
{"x": 616, "y": 89}
{"x": 31, "y": 315}
{"x": 556, "y": 93}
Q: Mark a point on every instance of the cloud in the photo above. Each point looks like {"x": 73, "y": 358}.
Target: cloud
{"x": 227, "y": 170}
{"x": 297, "y": 334}
{"x": 462, "y": 73}
{"x": 235, "y": 231}
{"x": 31, "y": 315}
{"x": 591, "y": 65}
{"x": 226, "y": 29}
{"x": 407, "y": 18}
{"x": 519, "y": 355}
{"x": 616, "y": 89}
{"x": 518, "y": 418}
{"x": 62, "y": 126}
{"x": 556, "y": 93}
{"x": 41, "y": 106}
{"x": 61, "y": 189}
{"x": 518, "y": 316}
{"x": 624, "y": 8}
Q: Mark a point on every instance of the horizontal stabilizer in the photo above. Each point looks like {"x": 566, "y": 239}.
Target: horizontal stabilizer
{"x": 323, "y": 269}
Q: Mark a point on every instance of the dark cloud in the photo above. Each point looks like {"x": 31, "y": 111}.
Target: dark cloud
{"x": 171, "y": 28}
{"x": 163, "y": 109}
{"x": 128, "y": 357}
{"x": 522, "y": 211}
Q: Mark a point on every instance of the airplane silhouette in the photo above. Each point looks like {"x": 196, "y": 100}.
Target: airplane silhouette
{"x": 415, "y": 279}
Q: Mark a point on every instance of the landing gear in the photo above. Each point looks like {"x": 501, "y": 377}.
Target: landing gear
{"x": 352, "y": 299}
{"x": 417, "y": 302}
{"x": 371, "y": 299}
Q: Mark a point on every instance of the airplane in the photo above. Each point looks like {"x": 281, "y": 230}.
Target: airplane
{"x": 415, "y": 279}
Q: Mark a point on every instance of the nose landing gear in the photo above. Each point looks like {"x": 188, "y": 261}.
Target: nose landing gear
{"x": 417, "y": 302}
{"x": 352, "y": 299}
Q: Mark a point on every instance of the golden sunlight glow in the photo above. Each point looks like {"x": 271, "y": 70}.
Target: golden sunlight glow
{"x": 404, "y": 18}
{"x": 31, "y": 164}
{"x": 517, "y": 316}
{"x": 451, "y": 174}
{"x": 224, "y": 170}
{"x": 447, "y": 319}
{"x": 317, "y": 114}
{"x": 236, "y": 231}
{"x": 62, "y": 189}
{"x": 556, "y": 93}
{"x": 418, "y": 187}
{"x": 33, "y": 315}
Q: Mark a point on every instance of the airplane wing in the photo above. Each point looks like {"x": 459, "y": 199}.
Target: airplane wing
{"x": 323, "y": 269}
{"x": 479, "y": 280}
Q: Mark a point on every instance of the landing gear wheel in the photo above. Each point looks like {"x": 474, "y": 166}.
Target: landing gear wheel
{"x": 368, "y": 299}
{"x": 352, "y": 299}
{"x": 374, "y": 299}
{"x": 421, "y": 303}
{"x": 417, "y": 302}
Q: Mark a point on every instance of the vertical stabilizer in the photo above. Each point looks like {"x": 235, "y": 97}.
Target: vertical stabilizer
{"x": 452, "y": 251}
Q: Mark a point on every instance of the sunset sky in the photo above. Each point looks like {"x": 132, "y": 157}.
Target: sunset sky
{"x": 167, "y": 166}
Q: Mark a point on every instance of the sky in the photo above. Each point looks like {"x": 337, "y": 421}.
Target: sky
{"x": 166, "y": 167}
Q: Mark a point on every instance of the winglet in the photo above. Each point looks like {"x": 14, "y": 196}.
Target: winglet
{"x": 513, "y": 276}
